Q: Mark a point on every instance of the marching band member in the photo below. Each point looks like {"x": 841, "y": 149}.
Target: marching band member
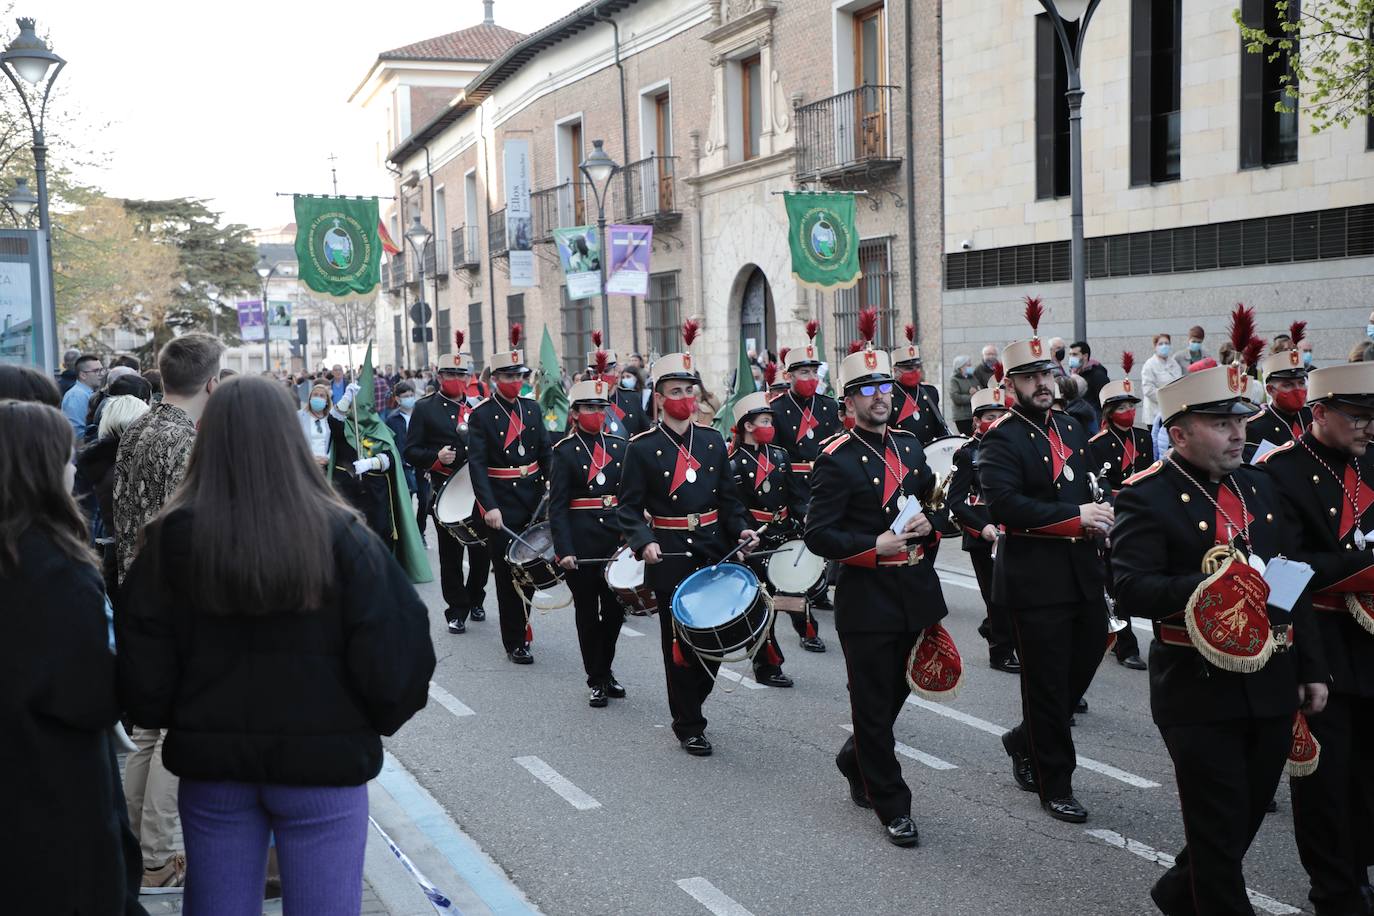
{"x": 583, "y": 483}
{"x": 915, "y": 404}
{"x": 804, "y": 420}
{"x": 1190, "y": 532}
{"x": 1034, "y": 474}
{"x": 966, "y": 504}
{"x": 1286, "y": 417}
{"x": 1123, "y": 449}
{"x": 765, "y": 482}
{"x": 678, "y": 473}
{"x": 625, "y": 415}
{"x": 888, "y": 593}
{"x": 510, "y": 456}
{"x": 436, "y": 445}
{"x": 1328, "y": 487}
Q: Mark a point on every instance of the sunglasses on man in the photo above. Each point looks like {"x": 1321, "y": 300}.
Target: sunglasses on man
{"x": 869, "y": 390}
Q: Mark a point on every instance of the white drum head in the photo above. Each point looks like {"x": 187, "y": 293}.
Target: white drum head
{"x": 455, "y": 499}
{"x": 624, "y": 571}
{"x": 793, "y": 569}
{"x": 551, "y": 599}
{"x": 940, "y": 453}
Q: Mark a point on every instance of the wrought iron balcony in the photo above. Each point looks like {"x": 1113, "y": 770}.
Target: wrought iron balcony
{"x": 653, "y": 186}
{"x": 848, "y": 135}
{"x": 436, "y": 257}
{"x": 569, "y": 204}
{"x": 466, "y": 255}
{"x": 496, "y": 233}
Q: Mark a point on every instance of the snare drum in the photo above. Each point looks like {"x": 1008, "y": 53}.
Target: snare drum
{"x": 722, "y": 612}
{"x": 453, "y": 507}
{"x": 794, "y": 570}
{"x": 536, "y": 570}
{"x": 625, "y": 577}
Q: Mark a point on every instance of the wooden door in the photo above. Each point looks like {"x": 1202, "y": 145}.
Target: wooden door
{"x": 663, "y": 133}
{"x": 869, "y": 74}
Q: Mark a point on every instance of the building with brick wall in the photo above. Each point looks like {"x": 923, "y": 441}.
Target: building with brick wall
{"x": 1197, "y": 193}
{"x": 716, "y": 107}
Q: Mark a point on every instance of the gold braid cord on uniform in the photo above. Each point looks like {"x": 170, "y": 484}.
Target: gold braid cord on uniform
{"x": 1225, "y": 615}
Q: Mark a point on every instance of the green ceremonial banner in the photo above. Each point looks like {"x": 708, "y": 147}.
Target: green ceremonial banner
{"x": 744, "y": 385}
{"x": 821, "y": 236}
{"x": 553, "y": 400}
{"x": 337, "y": 247}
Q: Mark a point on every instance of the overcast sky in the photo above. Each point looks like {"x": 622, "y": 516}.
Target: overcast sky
{"x": 236, "y": 101}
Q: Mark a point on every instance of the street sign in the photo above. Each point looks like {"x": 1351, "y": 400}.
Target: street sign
{"x": 420, "y": 313}
{"x": 428, "y": 335}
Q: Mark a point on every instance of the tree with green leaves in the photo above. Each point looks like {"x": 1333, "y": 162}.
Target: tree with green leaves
{"x": 1330, "y": 51}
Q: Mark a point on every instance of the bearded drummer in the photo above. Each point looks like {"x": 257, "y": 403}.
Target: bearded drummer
{"x": 583, "y": 483}
{"x": 765, "y": 481}
{"x": 888, "y": 594}
{"x": 436, "y": 444}
{"x": 1228, "y": 671}
{"x": 678, "y": 473}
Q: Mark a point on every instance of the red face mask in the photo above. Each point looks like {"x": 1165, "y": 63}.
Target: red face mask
{"x": 984, "y": 426}
{"x": 1291, "y": 401}
{"x": 509, "y": 388}
{"x": 452, "y": 387}
{"x": 763, "y": 434}
{"x": 590, "y": 420}
{"x": 1124, "y": 418}
{"x": 680, "y": 408}
{"x": 910, "y": 378}
{"x": 806, "y": 386}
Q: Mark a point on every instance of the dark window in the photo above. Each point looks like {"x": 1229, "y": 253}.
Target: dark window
{"x": 1051, "y": 110}
{"x": 443, "y": 334}
{"x": 663, "y": 307}
{"x": 577, "y": 331}
{"x": 874, "y": 290}
{"x": 515, "y": 309}
{"x": 474, "y": 338}
{"x": 1156, "y": 81}
{"x": 1267, "y": 136}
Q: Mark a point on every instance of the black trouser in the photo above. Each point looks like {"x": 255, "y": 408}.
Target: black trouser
{"x": 598, "y": 614}
{"x": 1227, "y": 773}
{"x": 1333, "y": 809}
{"x": 1126, "y": 643}
{"x": 769, "y": 659}
{"x": 996, "y": 628}
{"x": 688, "y": 687}
{"x": 461, "y": 598}
{"x": 1060, "y": 646}
{"x": 133, "y": 853}
{"x": 876, "y": 663}
{"x": 513, "y": 611}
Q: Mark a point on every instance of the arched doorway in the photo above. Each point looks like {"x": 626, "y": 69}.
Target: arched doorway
{"x": 757, "y": 324}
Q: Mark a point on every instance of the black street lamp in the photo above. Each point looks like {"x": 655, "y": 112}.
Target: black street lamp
{"x": 418, "y": 237}
{"x": 1063, "y": 12}
{"x": 266, "y": 271}
{"x": 28, "y": 58}
{"x": 599, "y": 169}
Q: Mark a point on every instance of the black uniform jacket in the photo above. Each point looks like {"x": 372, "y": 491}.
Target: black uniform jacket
{"x": 918, "y": 412}
{"x": 1112, "y": 447}
{"x": 1274, "y": 426}
{"x": 650, "y": 483}
{"x": 1317, "y": 507}
{"x": 801, "y": 448}
{"x": 964, "y": 499}
{"x": 1044, "y": 558}
{"x": 625, "y": 416}
{"x": 516, "y": 494}
{"x": 579, "y": 528}
{"x": 1163, "y": 528}
{"x": 769, "y": 488}
{"x": 433, "y": 425}
{"x": 899, "y": 594}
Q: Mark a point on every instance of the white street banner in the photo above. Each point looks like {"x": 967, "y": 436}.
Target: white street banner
{"x": 519, "y": 220}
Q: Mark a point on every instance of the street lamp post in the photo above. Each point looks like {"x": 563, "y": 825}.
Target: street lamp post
{"x": 28, "y": 58}
{"x": 418, "y": 237}
{"x": 599, "y": 169}
{"x": 266, "y": 271}
{"x": 1063, "y": 12}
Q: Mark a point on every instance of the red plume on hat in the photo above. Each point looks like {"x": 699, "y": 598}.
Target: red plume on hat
{"x": 1242, "y": 328}
{"x": 1298, "y": 332}
{"x": 998, "y": 371}
{"x": 911, "y": 333}
{"x": 782, "y": 355}
{"x": 812, "y": 327}
{"x": 458, "y": 338}
{"x": 602, "y": 361}
{"x": 596, "y": 338}
{"x": 1253, "y": 351}
{"x": 689, "y": 331}
{"x": 855, "y": 346}
{"x": 770, "y": 373}
{"x": 868, "y": 324}
{"x": 1127, "y": 361}
{"x": 1035, "y": 310}
{"x": 516, "y": 330}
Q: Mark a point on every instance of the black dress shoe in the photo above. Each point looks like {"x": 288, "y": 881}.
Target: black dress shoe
{"x": 1065, "y": 809}
{"x": 1021, "y": 769}
{"x": 812, "y": 644}
{"x": 521, "y": 656}
{"x": 1134, "y": 662}
{"x": 901, "y": 831}
{"x": 857, "y": 794}
{"x": 1011, "y": 664}
{"x": 613, "y": 688}
{"x": 597, "y": 700}
{"x": 1081, "y": 705}
{"x": 457, "y": 626}
{"x": 478, "y": 614}
{"x": 697, "y": 746}
{"x": 776, "y": 679}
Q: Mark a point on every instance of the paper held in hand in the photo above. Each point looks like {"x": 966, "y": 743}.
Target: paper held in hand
{"x": 907, "y": 513}
{"x": 1286, "y": 579}
{"x": 1264, "y": 448}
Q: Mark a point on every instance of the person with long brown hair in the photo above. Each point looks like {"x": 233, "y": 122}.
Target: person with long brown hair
{"x": 57, "y": 677}
{"x": 227, "y": 612}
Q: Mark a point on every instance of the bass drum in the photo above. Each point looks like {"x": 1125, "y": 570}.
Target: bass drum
{"x": 625, "y": 577}
{"x": 535, "y": 568}
{"x": 940, "y": 457}
{"x": 722, "y": 612}
{"x": 453, "y": 507}
{"x": 794, "y": 570}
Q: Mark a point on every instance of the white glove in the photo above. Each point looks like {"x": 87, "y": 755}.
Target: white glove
{"x": 379, "y": 463}
{"x": 347, "y": 397}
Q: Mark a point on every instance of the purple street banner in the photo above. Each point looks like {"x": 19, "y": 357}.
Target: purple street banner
{"x": 628, "y": 266}
{"x": 250, "y": 319}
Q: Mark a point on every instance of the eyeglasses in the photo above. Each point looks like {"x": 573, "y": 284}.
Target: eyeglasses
{"x": 869, "y": 390}
{"x": 1357, "y": 423}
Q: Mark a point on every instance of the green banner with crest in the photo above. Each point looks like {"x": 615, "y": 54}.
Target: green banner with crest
{"x": 823, "y": 240}
{"x": 337, "y": 246}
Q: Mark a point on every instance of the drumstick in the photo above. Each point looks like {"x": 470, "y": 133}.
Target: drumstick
{"x": 528, "y": 546}
{"x": 685, "y": 553}
{"x": 741, "y": 545}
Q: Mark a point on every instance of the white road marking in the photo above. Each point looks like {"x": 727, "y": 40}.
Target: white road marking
{"x": 982, "y": 725}
{"x": 559, "y": 783}
{"x": 629, "y": 631}
{"x": 741, "y": 679}
{"x": 712, "y": 897}
{"x": 449, "y": 701}
{"x": 1149, "y": 854}
{"x": 906, "y": 750}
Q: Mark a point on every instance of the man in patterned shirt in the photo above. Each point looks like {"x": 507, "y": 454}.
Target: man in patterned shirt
{"x": 149, "y": 467}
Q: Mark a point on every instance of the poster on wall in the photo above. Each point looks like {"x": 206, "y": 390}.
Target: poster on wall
{"x": 519, "y": 220}
{"x": 579, "y": 251}
{"x": 250, "y": 319}
{"x": 16, "y": 312}
{"x": 629, "y": 264}
{"x": 280, "y": 326}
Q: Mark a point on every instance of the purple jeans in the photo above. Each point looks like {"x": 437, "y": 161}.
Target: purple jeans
{"x": 321, "y": 836}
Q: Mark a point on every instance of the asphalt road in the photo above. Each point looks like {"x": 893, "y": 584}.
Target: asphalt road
{"x": 598, "y": 811}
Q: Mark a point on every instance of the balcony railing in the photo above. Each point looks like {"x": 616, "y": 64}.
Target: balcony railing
{"x": 654, "y": 188}
{"x": 569, "y": 204}
{"x": 496, "y": 233}
{"x": 847, "y": 134}
{"x": 465, "y": 249}
{"x": 436, "y": 257}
